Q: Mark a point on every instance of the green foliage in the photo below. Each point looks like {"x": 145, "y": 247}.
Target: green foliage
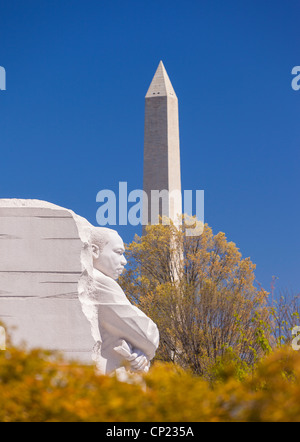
{"x": 285, "y": 315}
{"x": 229, "y": 365}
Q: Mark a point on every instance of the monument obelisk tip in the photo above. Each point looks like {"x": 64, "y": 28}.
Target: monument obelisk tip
{"x": 162, "y": 149}
{"x": 161, "y": 84}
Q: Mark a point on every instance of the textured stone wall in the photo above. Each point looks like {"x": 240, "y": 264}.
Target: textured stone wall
{"x": 40, "y": 268}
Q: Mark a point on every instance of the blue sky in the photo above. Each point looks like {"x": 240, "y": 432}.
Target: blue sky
{"x": 72, "y": 118}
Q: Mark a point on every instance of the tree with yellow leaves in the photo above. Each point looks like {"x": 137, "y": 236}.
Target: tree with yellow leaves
{"x": 202, "y": 295}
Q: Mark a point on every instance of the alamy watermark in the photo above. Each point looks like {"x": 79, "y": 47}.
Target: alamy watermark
{"x": 138, "y": 208}
{"x": 296, "y": 340}
{"x": 296, "y": 79}
{"x": 2, "y": 339}
{"x": 2, "y": 79}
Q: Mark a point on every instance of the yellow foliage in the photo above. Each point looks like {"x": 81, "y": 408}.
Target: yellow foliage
{"x": 201, "y": 294}
{"x": 37, "y": 386}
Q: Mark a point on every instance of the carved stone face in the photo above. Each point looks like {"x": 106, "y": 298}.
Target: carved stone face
{"x": 110, "y": 260}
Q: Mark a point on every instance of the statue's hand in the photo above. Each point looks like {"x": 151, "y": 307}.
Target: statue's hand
{"x": 140, "y": 362}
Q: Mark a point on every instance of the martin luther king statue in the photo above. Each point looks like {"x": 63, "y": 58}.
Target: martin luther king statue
{"x": 124, "y": 336}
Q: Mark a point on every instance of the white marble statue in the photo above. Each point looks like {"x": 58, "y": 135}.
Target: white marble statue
{"x": 58, "y": 288}
{"x": 124, "y": 335}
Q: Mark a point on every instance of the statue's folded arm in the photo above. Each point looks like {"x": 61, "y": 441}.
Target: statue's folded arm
{"x": 129, "y": 323}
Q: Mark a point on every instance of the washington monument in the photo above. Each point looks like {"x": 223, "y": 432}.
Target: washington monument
{"x": 162, "y": 150}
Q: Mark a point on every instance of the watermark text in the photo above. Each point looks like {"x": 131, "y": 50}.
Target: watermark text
{"x": 2, "y": 79}
{"x": 296, "y": 340}
{"x": 296, "y": 79}
{"x": 139, "y": 208}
